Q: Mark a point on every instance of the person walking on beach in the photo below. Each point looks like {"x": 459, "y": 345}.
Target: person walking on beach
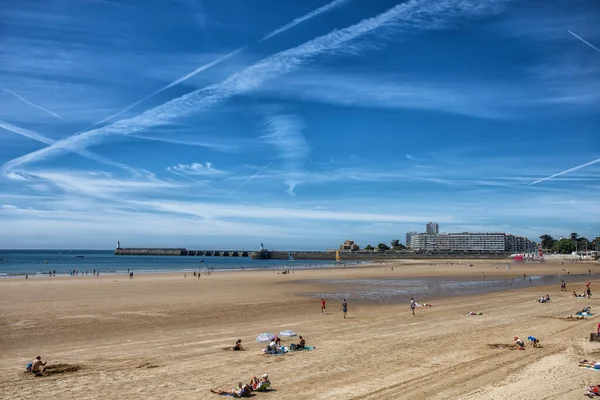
{"x": 563, "y": 286}
{"x": 344, "y": 307}
{"x": 413, "y": 304}
{"x": 322, "y": 306}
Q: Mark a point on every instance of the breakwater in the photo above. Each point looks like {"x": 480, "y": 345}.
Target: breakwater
{"x": 302, "y": 255}
{"x": 122, "y": 251}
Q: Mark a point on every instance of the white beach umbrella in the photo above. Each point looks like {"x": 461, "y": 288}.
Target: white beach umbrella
{"x": 288, "y": 333}
{"x": 265, "y": 337}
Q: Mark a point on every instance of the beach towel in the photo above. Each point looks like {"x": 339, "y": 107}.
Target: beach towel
{"x": 307, "y": 348}
{"x": 281, "y": 351}
{"x": 590, "y": 367}
{"x": 262, "y": 387}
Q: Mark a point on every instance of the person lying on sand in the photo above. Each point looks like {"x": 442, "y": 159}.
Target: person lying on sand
{"x": 240, "y": 391}
{"x": 592, "y": 391}
{"x": 238, "y": 345}
{"x": 260, "y": 385}
{"x": 518, "y": 342}
{"x": 592, "y": 364}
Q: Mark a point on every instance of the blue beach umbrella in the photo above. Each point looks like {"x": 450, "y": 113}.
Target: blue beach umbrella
{"x": 287, "y": 333}
{"x": 265, "y": 337}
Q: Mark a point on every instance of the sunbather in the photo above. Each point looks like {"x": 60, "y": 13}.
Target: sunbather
{"x": 592, "y": 364}
{"x": 592, "y": 391}
{"x": 260, "y": 385}
{"x": 240, "y": 391}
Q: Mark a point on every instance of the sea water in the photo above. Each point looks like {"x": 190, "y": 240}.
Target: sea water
{"x": 390, "y": 290}
{"x": 40, "y": 262}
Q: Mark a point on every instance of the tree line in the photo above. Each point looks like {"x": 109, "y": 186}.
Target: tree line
{"x": 394, "y": 245}
{"x": 569, "y": 244}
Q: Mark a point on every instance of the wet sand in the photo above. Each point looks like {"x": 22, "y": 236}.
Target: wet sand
{"x": 162, "y": 336}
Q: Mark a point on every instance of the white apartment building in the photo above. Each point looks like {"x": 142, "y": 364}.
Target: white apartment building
{"x": 432, "y": 228}
{"x": 409, "y": 236}
{"x": 474, "y": 242}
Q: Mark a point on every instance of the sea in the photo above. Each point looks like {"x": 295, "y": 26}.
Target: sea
{"x": 18, "y": 263}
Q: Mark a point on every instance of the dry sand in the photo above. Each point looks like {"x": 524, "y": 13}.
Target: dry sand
{"x": 162, "y": 337}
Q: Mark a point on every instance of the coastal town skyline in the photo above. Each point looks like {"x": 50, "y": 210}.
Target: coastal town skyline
{"x": 302, "y": 126}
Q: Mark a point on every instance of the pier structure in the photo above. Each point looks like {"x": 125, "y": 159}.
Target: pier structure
{"x": 124, "y": 251}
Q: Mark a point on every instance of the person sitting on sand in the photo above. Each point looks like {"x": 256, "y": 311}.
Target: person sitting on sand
{"x": 36, "y": 364}
{"x": 534, "y": 342}
{"x": 519, "y": 343}
{"x": 300, "y": 345}
{"x": 238, "y": 345}
{"x": 260, "y": 385}
{"x": 273, "y": 347}
{"x": 240, "y": 391}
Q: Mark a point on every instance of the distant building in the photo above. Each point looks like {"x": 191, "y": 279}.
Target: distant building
{"x": 471, "y": 242}
{"x": 432, "y": 228}
{"x": 409, "y": 236}
{"x": 349, "y": 245}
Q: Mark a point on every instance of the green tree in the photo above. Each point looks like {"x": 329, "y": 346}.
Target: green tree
{"x": 564, "y": 246}
{"x": 383, "y": 246}
{"x": 369, "y": 248}
{"x": 547, "y": 241}
{"x": 584, "y": 243}
{"x": 574, "y": 236}
{"x": 396, "y": 245}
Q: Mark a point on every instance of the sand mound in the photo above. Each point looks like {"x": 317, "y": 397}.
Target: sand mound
{"x": 502, "y": 346}
{"x": 61, "y": 369}
{"x": 147, "y": 365}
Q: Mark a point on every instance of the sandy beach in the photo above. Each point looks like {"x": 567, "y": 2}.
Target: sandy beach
{"x": 162, "y": 336}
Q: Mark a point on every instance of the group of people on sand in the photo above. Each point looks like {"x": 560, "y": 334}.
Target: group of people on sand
{"x": 245, "y": 390}
{"x": 544, "y": 299}
{"x": 520, "y": 344}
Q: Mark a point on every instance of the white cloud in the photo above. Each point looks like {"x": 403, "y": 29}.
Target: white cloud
{"x": 284, "y": 132}
{"x": 198, "y": 169}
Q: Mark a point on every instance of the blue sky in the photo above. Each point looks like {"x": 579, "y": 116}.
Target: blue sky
{"x": 227, "y": 123}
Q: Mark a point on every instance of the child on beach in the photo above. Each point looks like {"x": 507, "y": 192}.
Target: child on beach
{"x": 534, "y": 342}
{"x": 344, "y": 308}
{"x": 322, "y": 306}
{"x": 413, "y": 304}
{"x": 519, "y": 343}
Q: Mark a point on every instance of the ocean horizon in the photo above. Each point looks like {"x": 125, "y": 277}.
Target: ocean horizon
{"x": 18, "y": 262}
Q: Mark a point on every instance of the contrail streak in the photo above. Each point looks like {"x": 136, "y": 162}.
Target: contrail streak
{"x": 585, "y": 41}
{"x": 299, "y": 20}
{"x": 566, "y": 171}
{"x": 33, "y": 104}
{"x": 422, "y": 14}
{"x": 46, "y": 140}
{"x": 170, "y": 85}
{"x": 249, "y": 179}
{"x": 219, "y": 60}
